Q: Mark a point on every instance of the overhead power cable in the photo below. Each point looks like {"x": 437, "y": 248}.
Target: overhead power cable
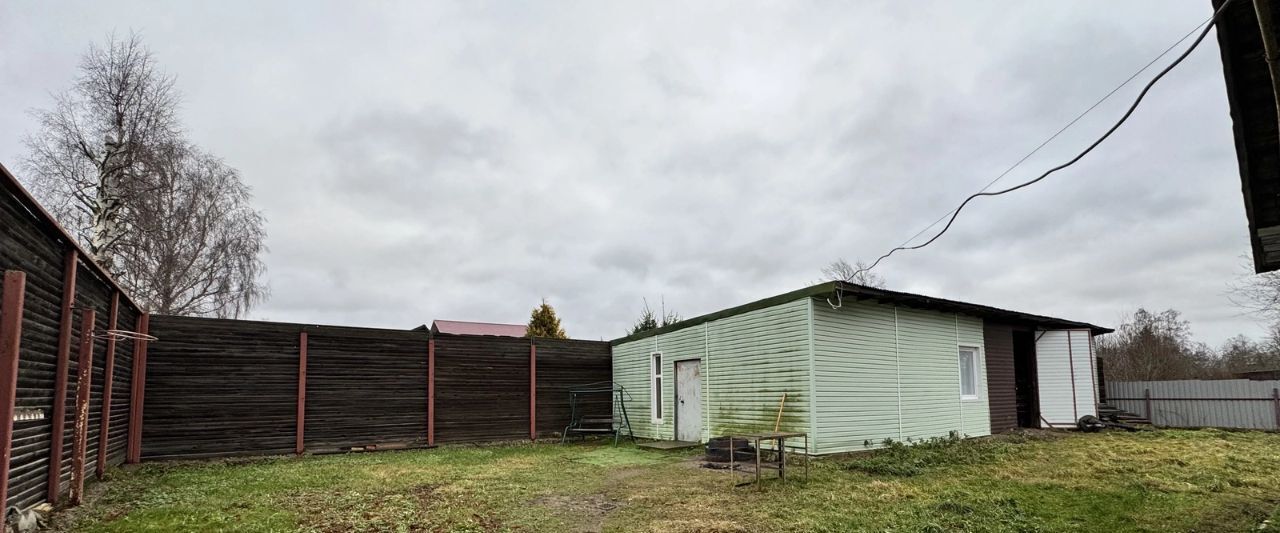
{"x": 954, "y": 213}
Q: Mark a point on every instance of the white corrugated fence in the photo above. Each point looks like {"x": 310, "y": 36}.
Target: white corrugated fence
{"x": 1225, "y": 403}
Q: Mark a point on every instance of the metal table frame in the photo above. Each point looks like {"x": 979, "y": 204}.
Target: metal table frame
{"x": 780, "y": 464}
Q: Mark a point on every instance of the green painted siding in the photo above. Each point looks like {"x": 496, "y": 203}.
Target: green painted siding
{"x": 885, "y": 372}
{"x": 748, "y": 362}
{"x": 856, "y": 375}
{"x": 879, "y": 372}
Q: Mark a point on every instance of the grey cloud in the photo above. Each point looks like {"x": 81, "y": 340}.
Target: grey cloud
{"x": 439, "y": 160}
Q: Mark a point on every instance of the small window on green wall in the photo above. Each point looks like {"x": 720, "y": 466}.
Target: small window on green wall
{"x": 968, "y": 373}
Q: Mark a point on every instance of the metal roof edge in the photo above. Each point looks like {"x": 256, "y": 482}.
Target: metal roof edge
{"x": 863, "y": 292}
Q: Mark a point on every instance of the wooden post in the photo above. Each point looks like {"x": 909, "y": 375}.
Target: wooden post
{"x": 137, "y": 392}
{"x": 15, "y": 283}
{"x": 1275, "y": 402}
{"x": 58, "y": 418}
{"x": 84, "y": 378}
{"x": 300, "y": 445}
{"x": 431, "y": 392}
{"x": 107, "y": 379}
{"x": 1146, "y": 398}
{"x": 533, "y": 390}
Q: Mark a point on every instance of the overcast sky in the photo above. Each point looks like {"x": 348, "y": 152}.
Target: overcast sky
{"x": 461, "y": 161}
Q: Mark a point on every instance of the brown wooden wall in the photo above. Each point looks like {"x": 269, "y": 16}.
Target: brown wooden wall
{"x": 218, "y": 386}
{"x": 230, "y": 387}
{"x": 1001, "y": 391}
{"x": 562, "y": 365}
{"x": 33, "y": 245}
{"x": 482, "y": 388}
{"x": 365, "y": 386}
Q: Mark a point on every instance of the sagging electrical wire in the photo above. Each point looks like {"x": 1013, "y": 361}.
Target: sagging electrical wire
{"x": 1132, "y": 107}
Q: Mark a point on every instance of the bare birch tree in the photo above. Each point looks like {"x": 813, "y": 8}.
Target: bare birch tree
{"x": 841, "y": 270}
{"x": 111, "y": 162}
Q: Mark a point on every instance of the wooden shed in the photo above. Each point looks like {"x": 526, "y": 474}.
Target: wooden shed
{"x": 858, "y": 365}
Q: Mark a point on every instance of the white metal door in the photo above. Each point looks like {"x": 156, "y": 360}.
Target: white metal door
{"x": 688, "y": 401}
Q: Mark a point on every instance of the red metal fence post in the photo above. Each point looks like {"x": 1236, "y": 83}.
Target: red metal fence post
{"x": 84, "y": 378}
{"x": 302, "y": 393}
{"x": 1146, "y": 398}
{"x": 15, "y": 283}
{"x": 431, "y": 392}
{"x": 138, "y": 390}
{"x": 533, "y": 390}
{"x": 108, "y": 370}
{"x": 59, "y": 415}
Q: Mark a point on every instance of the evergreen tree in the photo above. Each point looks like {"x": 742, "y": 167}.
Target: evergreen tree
{"x": 544, "y": 323}
{"x": 650, "y": 319}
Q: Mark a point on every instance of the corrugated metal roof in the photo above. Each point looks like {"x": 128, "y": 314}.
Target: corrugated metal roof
{"x": 457, "y": 327}
{"x": 838, "y": 290}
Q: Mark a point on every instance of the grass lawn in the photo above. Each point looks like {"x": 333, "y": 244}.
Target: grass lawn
{"x": 1167, "y": 480}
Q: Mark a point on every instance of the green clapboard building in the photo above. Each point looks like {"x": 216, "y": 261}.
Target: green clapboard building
{"x": 858, "y": 365}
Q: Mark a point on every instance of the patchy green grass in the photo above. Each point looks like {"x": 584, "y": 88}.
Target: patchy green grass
{"x": 1169, "y": 480}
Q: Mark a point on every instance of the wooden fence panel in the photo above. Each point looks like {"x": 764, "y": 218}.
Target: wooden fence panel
{"x": 365, "y": 387}
{"x": 482, "y": 388}
{"x": 219, "y": 387}
{"x": 562, "y": 365}
{"x": 230, "y": 387}
{"x": 1226, "y": 403}
{"x": 31, "y": 243}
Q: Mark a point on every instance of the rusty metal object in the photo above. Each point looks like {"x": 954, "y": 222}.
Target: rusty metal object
{"x": 138, "y": 390}
{"x": 107, "y": 379}
{"x": 84, "y": 378}
{"x": 15, "y": 283}
{"x": 431, "y": 392}
{"x": 533, "y": 390}
{"x": 300, "y": 443}
{"x": 59, "y": 414}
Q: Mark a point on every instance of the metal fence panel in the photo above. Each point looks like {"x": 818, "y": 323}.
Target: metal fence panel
{"x": 1227, "y": 403}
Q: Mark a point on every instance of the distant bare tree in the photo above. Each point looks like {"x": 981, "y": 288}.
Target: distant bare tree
{"x": 194, "y": 244}
{"x": 1156, "y": 346}
{"x": 1258, "y": 293}
{"x": 110, "y": 161}
{"x": 841, "y": 270}
{"x": 1242, "y": 354}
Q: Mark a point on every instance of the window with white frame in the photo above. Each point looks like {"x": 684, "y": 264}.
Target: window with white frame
{"x": 655, "y": 396}
{"x": 968, "y": 373}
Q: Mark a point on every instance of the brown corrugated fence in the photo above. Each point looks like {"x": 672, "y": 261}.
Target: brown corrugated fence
{"x": 45, "y": 267}
{"x": 217, "y": 387}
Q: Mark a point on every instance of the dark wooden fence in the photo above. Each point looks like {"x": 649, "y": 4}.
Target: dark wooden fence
{"x": 218, "y": 387}
{"x": 49, "y": 284}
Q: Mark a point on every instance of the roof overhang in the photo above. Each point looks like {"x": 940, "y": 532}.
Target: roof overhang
{"x": 839, "y": 292}
{"x": 1249, "y": 40}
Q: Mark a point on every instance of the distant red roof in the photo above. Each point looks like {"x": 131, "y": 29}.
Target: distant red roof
{"x": 454, "y": 327}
